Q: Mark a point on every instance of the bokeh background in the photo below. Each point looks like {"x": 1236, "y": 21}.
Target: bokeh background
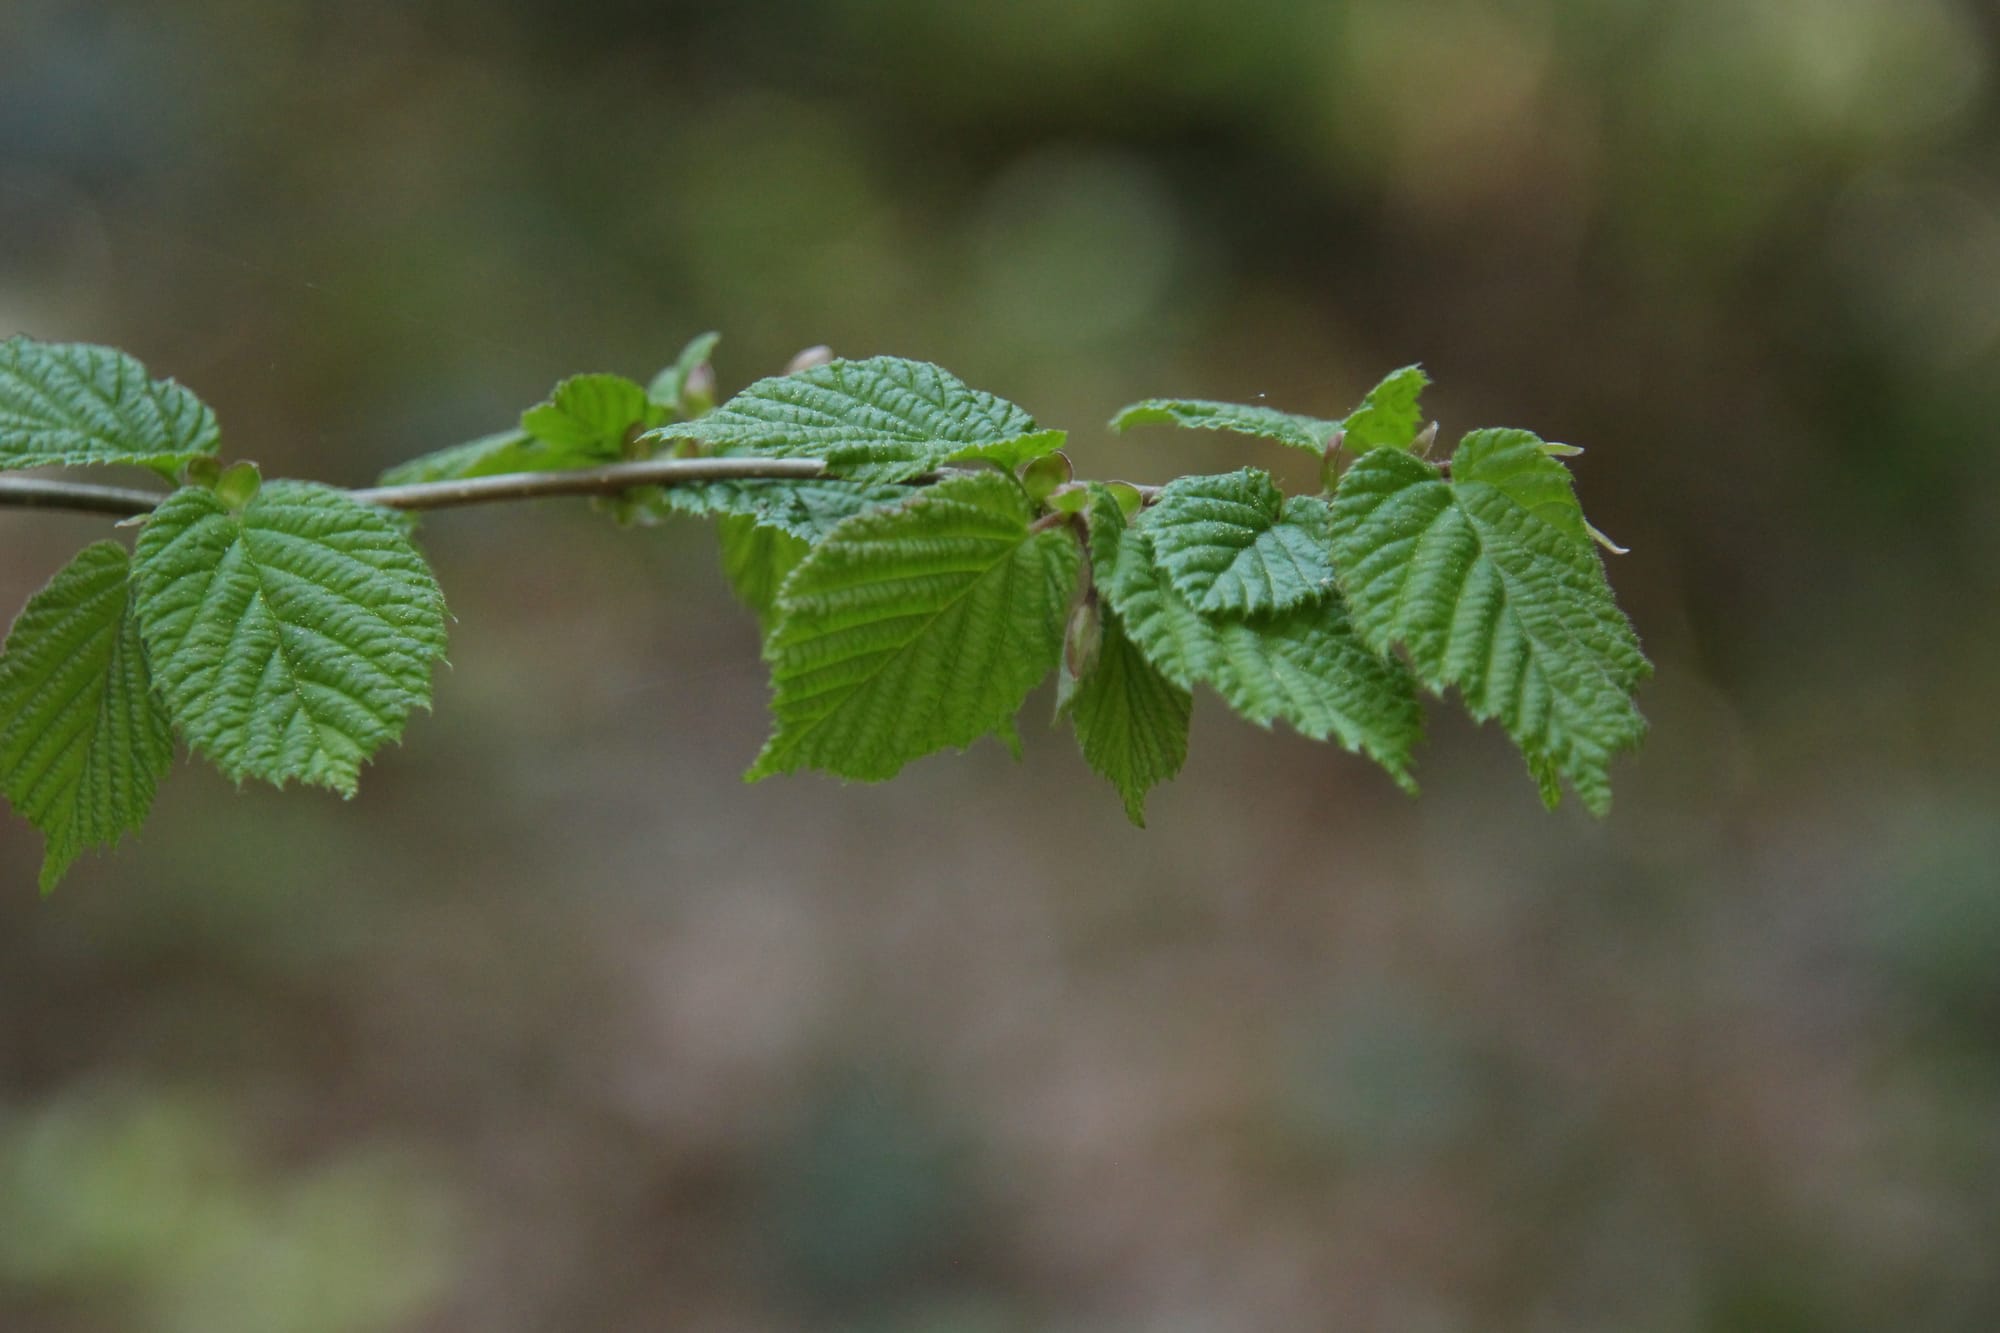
{"x": 559, "y": 1027}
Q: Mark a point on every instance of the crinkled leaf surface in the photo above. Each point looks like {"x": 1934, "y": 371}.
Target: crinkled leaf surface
{"x": 883, "y": 419}
{"x": 1388, "y": 417}
{"x": 1131, "y": 721}
{"x": 72, "y": 403}
{"x": 83, "y": 740}
{"x": 290, "y": 641}
{"x": 1305, "y": 666}
{"x": 1308, "y": 668}
{"x": 1308, "y": 433}
{"x": 1490, "y": 583}
{"x": 806, "y": 509}
{"x": 915, "y": 629}
{"x": 1234, "y": 543}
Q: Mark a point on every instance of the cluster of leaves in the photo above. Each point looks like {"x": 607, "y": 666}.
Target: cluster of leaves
{"x": 945, "y": 564}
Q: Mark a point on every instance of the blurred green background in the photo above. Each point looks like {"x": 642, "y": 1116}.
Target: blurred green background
{"x": 559, "y": 1027}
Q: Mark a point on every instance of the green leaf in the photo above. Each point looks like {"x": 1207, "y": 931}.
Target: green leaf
{"x": 669, "y": 387}
{"x": 883, "y": 419}
{"x": 1308, "y": 433}
{"x": 1174, "y": 636}
{"x": 915, "y": 629}
{"x": 1234, "y": 543}
{"x": 72, "y": 403}
{"x": 1388, "y": 417}
{"x": 757, "y": 560}
{"x": 585, "y": 422}
{"x": 1305, "y": 666}
{"x": 1308, "y": 667}
{"x": 489, "y": 456}
{"x": 1490, "y": 583}
{"x": 290, "y": 642}
{"x": 806, "y": 509}
{"x": 1131, "y": 722}
{"x": 83, "y": 740}
{"x": 592, "y": 416}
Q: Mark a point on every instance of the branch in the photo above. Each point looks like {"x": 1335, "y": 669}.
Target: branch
{"x": 83, "y": 497}
{"x": 77, "y": 497}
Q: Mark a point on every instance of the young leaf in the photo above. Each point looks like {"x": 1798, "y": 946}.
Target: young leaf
{"x": 83, "y": 741}
{"x": 669, "y": 388}
{"x": 1308, "y": 433}
{"x": 1234, "y": 543}
{"x": 757, "y": 560}
{"x": 808, "y": 510}
{"x": 584, "y": 422}
{"x": 72, "y": 403}
{"x": 1131, "y": 722}
{"x": 1388, "y": 417}
{"x": 915, "y": 629}
{"x": 292, "y": 641}
{"x": 1490, "y": 582}
{"x": 1174, "y": 636}
{"x": 489, "y": 456}
{"x": 883, "y": 419}
{"x": 1305, "y": 666}
{"x": 591, "y": 416}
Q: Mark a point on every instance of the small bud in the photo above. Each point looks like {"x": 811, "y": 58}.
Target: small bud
{"x": 698, "y": 391}
{"x": 1329, "y": 462}
{"x": 1083, "y": 639}
{"x": 1428, "y": 436}
{"x": 1129, "y": 498}
{"x": 810, "y": 359}
{"x": 1072, "y": 498}
{"x": 1041, "y": 476}
{"x": 238, "y": 485}
{"x": 203, "y": 471}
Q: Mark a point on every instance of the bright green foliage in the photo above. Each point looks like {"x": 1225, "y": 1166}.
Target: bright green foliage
{"x": 1175, "y": 637}
{"x": 909, "y": 602}
{"x": 1388, "y": 417}
{"x": 488, "y": 456}
{"x": 587, "y": 421}
{"x": 72, "y": 403}
{"x": 593, "y": 416}
{"x": 916, "y": 629}
{"x": 1131, "y": 721}
{"x": 1308, "y": 668}
{"x": 293, "y": 640}
{"x": 808, "y": 510}
{"x": 1234, "y": 543}
{"x": 883, "y": 419}
{"x": 1489, "y": 581}
{"x": 1305, "y": 666}
{"x": 670, "y": 387}
{"x": 83, "y": 741}
{"x": 1308, "y": 433}
{"x": 757, "y": 560}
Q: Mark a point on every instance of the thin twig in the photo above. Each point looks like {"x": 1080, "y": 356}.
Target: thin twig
{"x": 613, "y": 479}
{"x": 87, "y": 498}
{"x": 608, "y": 480}
{"x": 77, "y": 497}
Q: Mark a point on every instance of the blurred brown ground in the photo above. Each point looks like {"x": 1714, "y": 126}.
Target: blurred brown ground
{"x": 560, "y": 1027}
